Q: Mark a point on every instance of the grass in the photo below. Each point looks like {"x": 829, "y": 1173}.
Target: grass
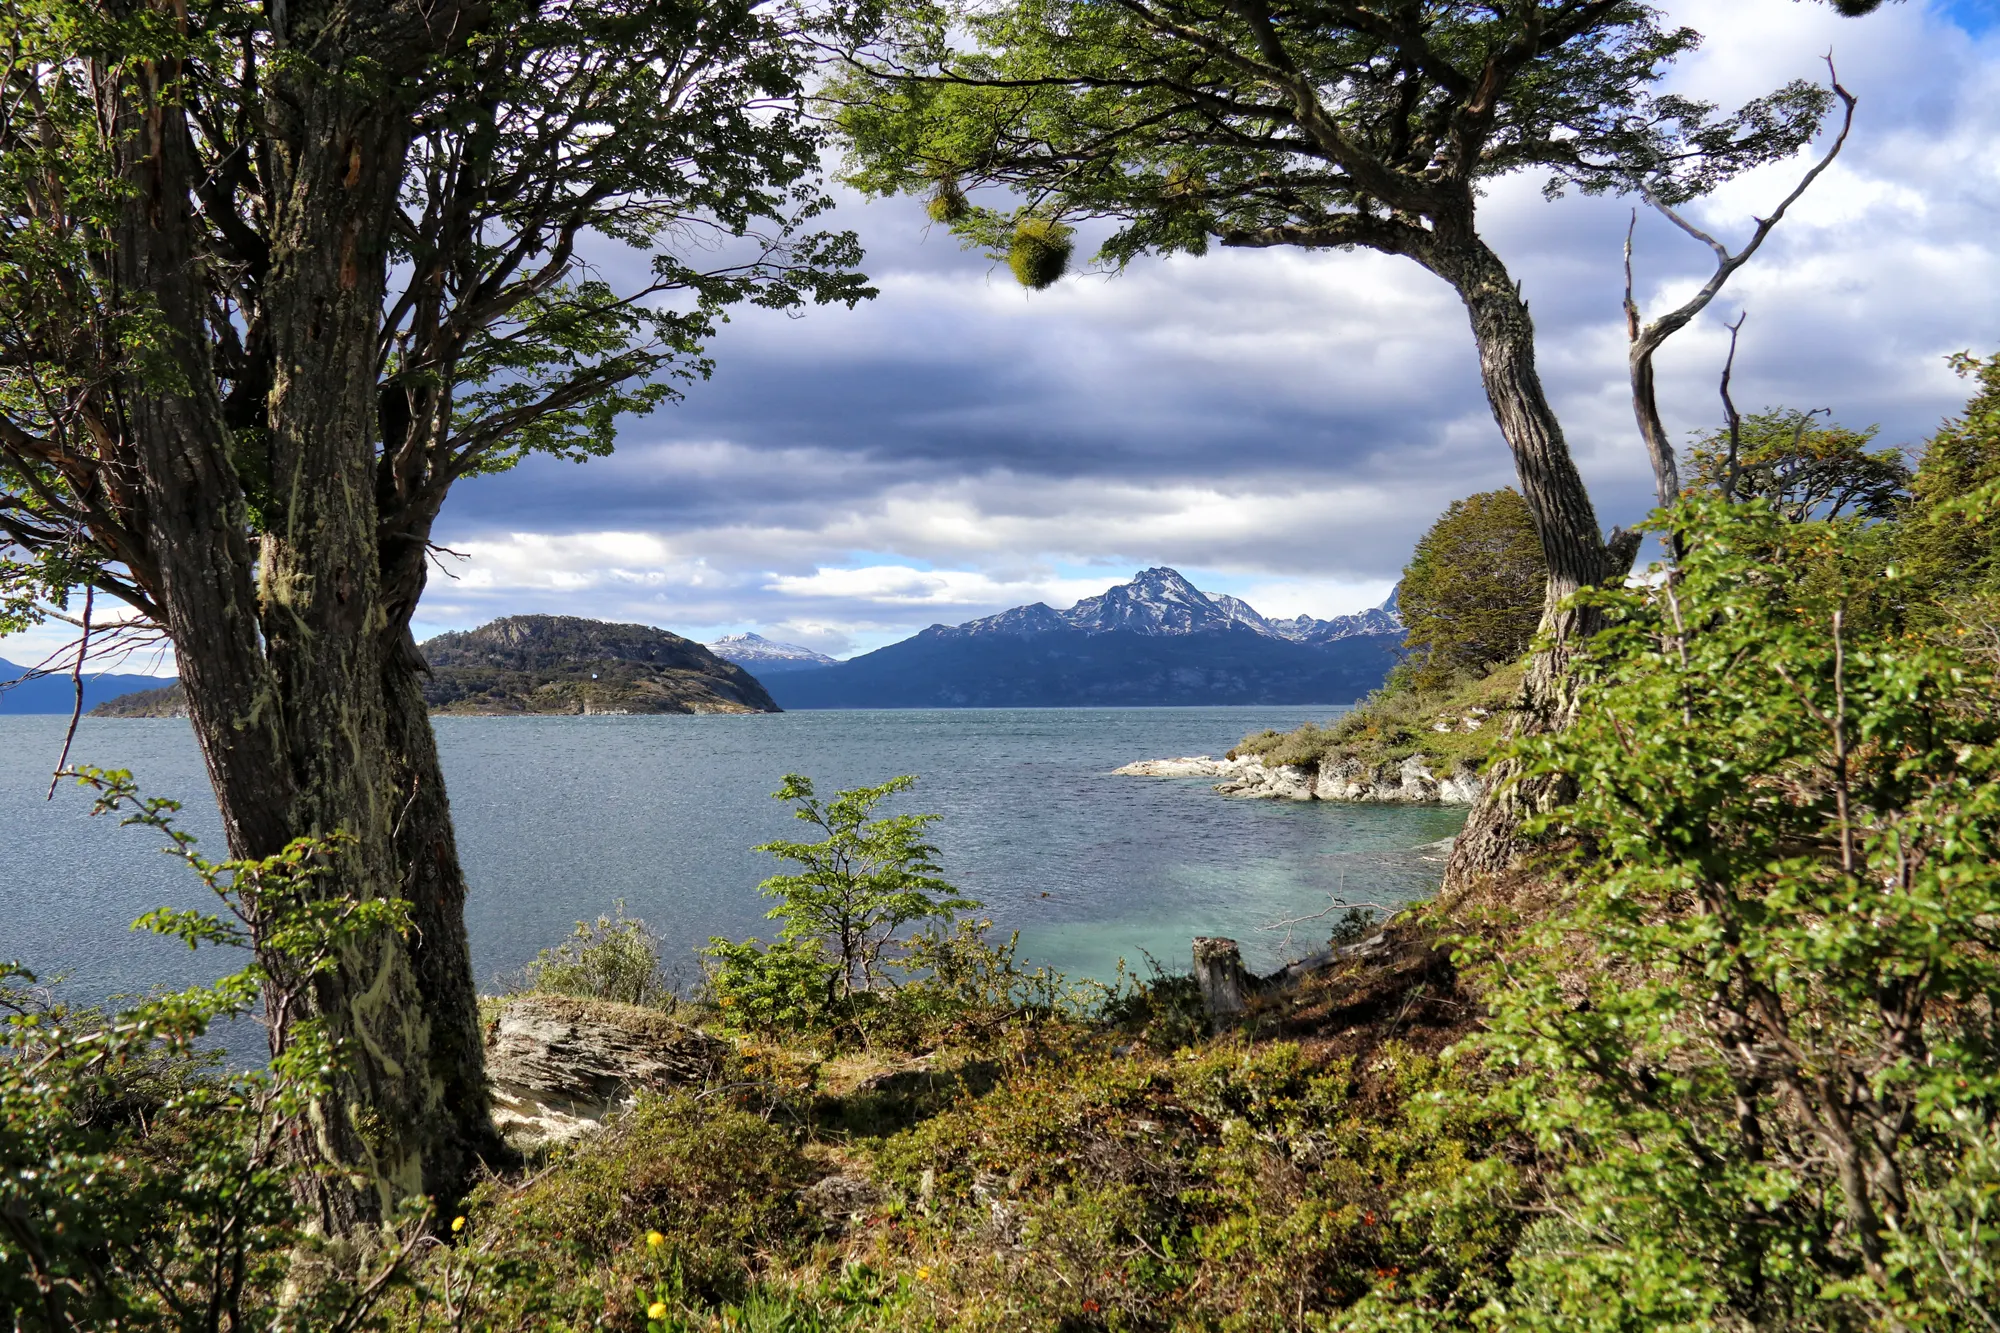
{"x": 1458, "y": 725}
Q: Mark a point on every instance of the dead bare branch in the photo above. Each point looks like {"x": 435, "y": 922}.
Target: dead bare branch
{"x": 1645, "y": 341}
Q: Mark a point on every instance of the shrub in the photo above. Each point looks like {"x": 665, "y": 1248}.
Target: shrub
{"x": 140, "y": 1187}
{"x": 1472, "y": 593}
{"x": 616, "y": 958}
{"x": 1761, "y": 1046}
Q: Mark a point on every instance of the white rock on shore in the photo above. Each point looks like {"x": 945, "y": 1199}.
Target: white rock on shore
{"x": 1195, "y": 766}
{"x": 1335, "y": 778}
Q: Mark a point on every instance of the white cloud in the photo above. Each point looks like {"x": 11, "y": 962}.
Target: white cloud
{"x": 1283, "y": 423}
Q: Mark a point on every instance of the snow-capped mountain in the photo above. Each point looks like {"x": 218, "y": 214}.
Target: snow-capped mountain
{"x": 1162, "y": 601}
{"x": 1155, "y": 640}
{"x": 763, "y": 656}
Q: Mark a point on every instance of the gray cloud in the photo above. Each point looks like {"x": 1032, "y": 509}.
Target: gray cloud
{"x": 1277, "y": 424}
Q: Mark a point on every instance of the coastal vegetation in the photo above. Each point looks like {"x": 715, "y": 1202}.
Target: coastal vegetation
{"x": 1723, "y": 1056}
{"x": 1471, "y": 596}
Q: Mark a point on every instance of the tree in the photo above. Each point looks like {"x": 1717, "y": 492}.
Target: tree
{"x": 1332, "y": 126}
{"x": 861, "y": 884}
{"x": 1807, "y": 473}
{"x": 271, "y": 281}
{"x": 1949, "y": 540}
{"x": 1471, "y": 596}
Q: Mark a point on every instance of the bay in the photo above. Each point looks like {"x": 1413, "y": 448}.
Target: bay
{"x": 560, "y": 818}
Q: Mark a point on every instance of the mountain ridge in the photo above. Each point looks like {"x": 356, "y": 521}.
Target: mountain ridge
{"x": 1154, "y": 640}
{"x": 1162, "y": 601}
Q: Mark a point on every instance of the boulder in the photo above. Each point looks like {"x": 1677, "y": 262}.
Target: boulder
{"x": 558, "y": 1064}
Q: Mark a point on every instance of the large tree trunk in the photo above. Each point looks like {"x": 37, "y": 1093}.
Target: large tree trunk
{"x": 1577, "y": 553}
{"x": 300, "y": 689}
{"x": 461, "y": 1135}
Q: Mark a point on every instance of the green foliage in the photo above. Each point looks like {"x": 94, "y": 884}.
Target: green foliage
{"x": 616, "y": 958}
{"x": 782, "y": 987}
{"x": 1192, "y": 127}
{"x": 855, "y": 1297}
{"x": 1805, "y": 471}
{"x": 1461, "y": 722}
{"x": 1234, "y": 1187}
{"x": 862, "y": 883}
{"x": 1758, "y": 1047}
{"x": 1472, "y": 593}
{"x": 677, "y": 131}
{"x": 141, "y": 1188}
{"x": 1948, "y": 543}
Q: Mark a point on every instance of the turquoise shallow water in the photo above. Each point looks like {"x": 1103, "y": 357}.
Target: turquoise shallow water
{"x": 560, "y": 817}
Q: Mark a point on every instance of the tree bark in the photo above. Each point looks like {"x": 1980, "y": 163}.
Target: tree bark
{"x": 1577, "y": 553}
{"x": 300, "y": 687}
{"x": 461, "y": 1134}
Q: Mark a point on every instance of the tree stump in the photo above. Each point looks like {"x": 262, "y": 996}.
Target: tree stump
{"x": 1218, "y": 971}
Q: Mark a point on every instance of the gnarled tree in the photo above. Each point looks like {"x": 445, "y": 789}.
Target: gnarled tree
{"x": 272, "y": 279}
{"x": 1326, "y": 126}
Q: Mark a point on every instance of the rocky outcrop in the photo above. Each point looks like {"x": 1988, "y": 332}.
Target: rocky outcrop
{"x": 558, "y": 1064}
{"x": 1334, "y": 778}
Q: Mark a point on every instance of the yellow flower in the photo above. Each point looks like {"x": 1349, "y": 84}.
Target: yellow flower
{"x": 458, "y": 1224}
{"x": 657, "y": 1310}
{"x": 923, "y": 1275}
{"x": 655, "y": 1239}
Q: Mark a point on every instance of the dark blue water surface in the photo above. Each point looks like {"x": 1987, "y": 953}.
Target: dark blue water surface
{"x": 558, "y": 818}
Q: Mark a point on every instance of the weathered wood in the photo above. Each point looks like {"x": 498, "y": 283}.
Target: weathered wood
{"x": 1218, "y": 971}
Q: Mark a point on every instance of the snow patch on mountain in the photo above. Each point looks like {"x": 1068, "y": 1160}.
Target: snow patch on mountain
{"x": 758, "y": 653}
{"x": 1162, "y": 601}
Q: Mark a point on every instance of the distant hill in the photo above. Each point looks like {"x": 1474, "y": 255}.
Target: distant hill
{"x": 553, "y": 665}
{"x": 1157, "y": 640}
{"x": 168, "y": 700}
{"x": 765, "y": 656}
{"x": 57, "y": 694}
{"x": 565, "y": 664}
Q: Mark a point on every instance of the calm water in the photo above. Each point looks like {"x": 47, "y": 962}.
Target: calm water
{"x": 558, "y": 818}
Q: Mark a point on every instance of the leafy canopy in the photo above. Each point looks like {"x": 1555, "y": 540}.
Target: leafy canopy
{"x": 1275, "y": 123}
{"x": 590, "y": 186}
{"x": 1806, "y": 471}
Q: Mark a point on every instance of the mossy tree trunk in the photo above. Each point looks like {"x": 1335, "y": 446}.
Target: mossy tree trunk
{"x": 213, "y": 407}
{"x": 299, "y": 686}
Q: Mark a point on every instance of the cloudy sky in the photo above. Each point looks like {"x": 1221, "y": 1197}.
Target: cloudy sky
{"x": 1277, "y": 425}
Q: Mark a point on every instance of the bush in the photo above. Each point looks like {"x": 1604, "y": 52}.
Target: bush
{"x": 1472, "y": 593}
{"x": 617, "y": 958}
{"x": 857, "y": 889}
{"x": 1761, "y": 1046}
{"x": 140, "y": 1187}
